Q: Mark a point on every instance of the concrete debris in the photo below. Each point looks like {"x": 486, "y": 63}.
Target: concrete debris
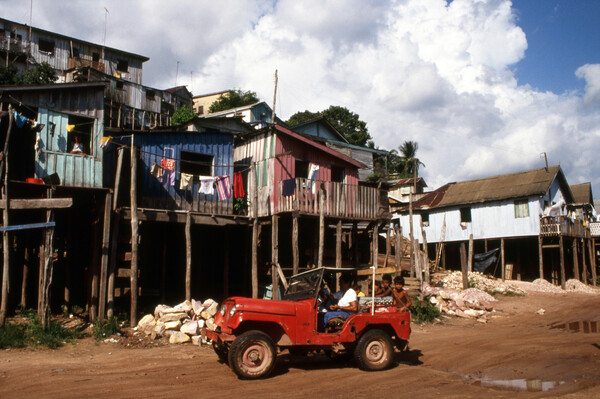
{"x": 541, "y": 311}
{"x": 541, "y": 285}
{"x": 481, "y": 282}
{"x": 177, "y": 337}
{"x": 180, "y": 323}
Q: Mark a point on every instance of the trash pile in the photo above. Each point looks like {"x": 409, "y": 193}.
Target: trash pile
{"x": 482, "y": 282}
{"x": 469, "y": 303}
{"x": 181, "y": 323}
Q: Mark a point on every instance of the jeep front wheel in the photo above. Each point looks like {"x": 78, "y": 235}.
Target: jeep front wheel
{"x": 374, "y": 351}
{"x": 252, "y": 355}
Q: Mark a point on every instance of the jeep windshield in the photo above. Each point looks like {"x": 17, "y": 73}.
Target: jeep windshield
{"x": 304, "y": 285}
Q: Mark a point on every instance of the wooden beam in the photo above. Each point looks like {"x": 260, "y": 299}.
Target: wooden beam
{"x": 594, "y": 265}
{"x": 426, "y": 253}
{"x": 133, "y": 278}
{"x": 463, "y": 266}
{"x": 105, "y": 255}
{"x": 338, "y": 244}
{"x": 282, "y": 277}
{"x": 562, "y": 262}
{"x": 114, "y": 243}
{"x": 354, "y": 236}
{"x": 255, "y": 258}
{"x": 375, "y": 244}
{"x": 584, "y": 275}
{"x": 5, "y": 246}
{"x": 592, "y": 261}
{"x": 541, "y": 256}
{"x": 274, "y": 258}
{"x": 575, "y": 259}
{"x": 470, "y": 259}
{"x": 118, "y": 177}
{"x": 321, "y": 227}
{"x": 295, "y": 248}
{"x": 502, "y": 259}
{"x": 188, "y": 257}
{"x": 38, "y": 203}
{"x": 24, "y": 277}
{"x": 398, "y": 250}
{"x": 155, "y": 215}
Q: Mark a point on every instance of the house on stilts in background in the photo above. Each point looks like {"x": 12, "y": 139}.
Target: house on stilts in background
{"x": 524, "y": 215}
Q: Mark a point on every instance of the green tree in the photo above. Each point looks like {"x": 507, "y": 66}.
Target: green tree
{"x": 184, "y": 114}
{"x": 40, "y": 74}
{"x": 9, "y": 75}
{"x": 408, "y": 158}
{"x": 342, "y": 119}
{"x": 233, "y": 99}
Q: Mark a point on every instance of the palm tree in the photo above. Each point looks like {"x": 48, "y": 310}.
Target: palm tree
{"x": 408, "y": 158}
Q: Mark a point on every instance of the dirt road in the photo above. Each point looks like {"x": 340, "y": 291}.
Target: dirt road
{"x": 457, "y": 358}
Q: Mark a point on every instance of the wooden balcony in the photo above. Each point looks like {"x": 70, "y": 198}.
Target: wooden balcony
{"x": 551, "y": 226}
{"x": 76, "y": 62}
{"x": 340, "y": 200}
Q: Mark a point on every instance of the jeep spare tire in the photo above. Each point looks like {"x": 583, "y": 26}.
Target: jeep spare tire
{"x": 374, "y": 351}
{"x": 252, "y": 355}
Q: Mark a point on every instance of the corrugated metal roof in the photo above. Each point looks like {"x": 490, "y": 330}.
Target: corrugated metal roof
{"x": 496, "y": 188}
{"x": 410, "y": 180}
{"x": 582, "y": 193}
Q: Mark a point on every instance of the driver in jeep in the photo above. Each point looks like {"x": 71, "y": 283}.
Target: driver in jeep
{"x": 347, "y": 305}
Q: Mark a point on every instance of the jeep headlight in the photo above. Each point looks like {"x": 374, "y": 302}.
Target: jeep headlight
{"x": 232, "y": 311}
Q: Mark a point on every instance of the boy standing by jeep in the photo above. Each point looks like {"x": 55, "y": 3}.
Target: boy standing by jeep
{"x": 401, "y": 299}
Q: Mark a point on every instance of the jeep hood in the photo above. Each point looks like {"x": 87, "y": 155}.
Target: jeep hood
{"x": 263, "y": 306}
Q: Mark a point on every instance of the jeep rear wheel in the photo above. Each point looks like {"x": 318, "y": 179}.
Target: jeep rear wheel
{"x": 252, "y": 355}
{"x": 374, "y": 351}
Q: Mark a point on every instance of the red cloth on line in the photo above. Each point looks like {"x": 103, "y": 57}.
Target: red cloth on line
{"x": 238, "y": 185}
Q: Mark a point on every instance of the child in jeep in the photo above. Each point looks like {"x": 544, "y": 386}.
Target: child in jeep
{"x": 401, "y": 299}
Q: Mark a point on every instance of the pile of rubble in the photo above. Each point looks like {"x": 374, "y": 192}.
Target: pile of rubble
{"x": 181, "y": 323}
{"x": 471, "y": 302}
{"x": 482, "y": 282}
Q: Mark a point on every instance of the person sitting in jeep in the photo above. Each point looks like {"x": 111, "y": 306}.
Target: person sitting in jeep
{"x": 347, "y": 305}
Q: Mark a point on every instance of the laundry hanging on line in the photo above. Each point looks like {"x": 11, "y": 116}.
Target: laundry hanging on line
{"x": 206, "y": 185}
{"x": 185, "y": 183}
{"x": 223, "y": 187}
{"x": 238, "y": 185}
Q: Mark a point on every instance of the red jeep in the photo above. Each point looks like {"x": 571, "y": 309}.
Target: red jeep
{"x": 250, "y": 332}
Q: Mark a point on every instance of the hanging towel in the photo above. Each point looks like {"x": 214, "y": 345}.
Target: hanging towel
{"x": 312, "y": 176}
{"x": 238, "y": 185}
{"x": 223, "y": 187}
{"x": 167, "y": 163}
{"x": 186, "y": 182}
{"x": 168, "y": 177}
{"x": 20, "y": 120}
{"x": 156, "y": 171}
{"x": 289, "y": 186}
{"x": 206, "y": 185}
{"x": 70, "y": 128}
{"x": 104, "y": 141}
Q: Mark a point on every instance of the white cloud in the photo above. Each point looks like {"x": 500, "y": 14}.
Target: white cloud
{"x": 419, "y": 70}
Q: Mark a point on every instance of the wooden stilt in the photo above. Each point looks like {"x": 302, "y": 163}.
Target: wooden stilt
{"x": 338, "y": 244}
{"x": 562, "y": 261}
{"x": 163, "y": 268}
{"x": 575, "y": 259}
{"x": 105, "y": 255}
{"x": 398, "y": 250}
{"x": 375, "y": 244}
{"x": 24, "y": 279}
{"x": 502, "y": 259}
{"x": 463, "y": 266}
{"x": 355, "y": 257}
{"x": 388, "y": 246}
{"x": 226, "y": 265}
{"x": 470, "y": 259}
{"x": 133, "y": 279}
{"x": 188, "y": 256}
{"x": 5, "y": 246}
{"x": 274, "y": 258}
{"x": 541, "y": 256}
{"x": 114, "y": 243}
{"x": 255, "y": 258}
{"x": 592, "y": 262}
{"x": 48, "y": 266}
{"x": 118, "y": 177}
{"x": 584, "y": 273}
{"x": 485, "y": 243}
{"x": 93, "y": 306}
{"x": 321, "y": 226}
{"x": 425, "y": 253}
{"x": 295, "y": 248}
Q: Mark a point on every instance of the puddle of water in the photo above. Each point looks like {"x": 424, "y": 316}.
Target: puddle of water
{"x": 534, "y": 385}
{"x": 585, "y": 326}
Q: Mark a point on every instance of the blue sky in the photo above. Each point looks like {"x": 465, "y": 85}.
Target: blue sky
{"x": 561, "y": 35}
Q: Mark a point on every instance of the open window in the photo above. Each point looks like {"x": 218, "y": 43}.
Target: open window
{"x": 521, "y": 208}
{"x": 425, "y": 218}
{"x": 46, "y": 46}
{"x": 79, "y": 135}
{"x": 196, "y": 164}
{"x": 465, "y": 215}
{"x": 301, "y": 168}
{"x": 122, "y": 65}
{"x": 337, "y": 174}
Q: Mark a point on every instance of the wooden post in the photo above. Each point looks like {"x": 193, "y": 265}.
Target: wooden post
{"x": 25, "y": 275}
{"x": 375, "y": 244}
{"x": 188, "y": 256}
{"x": 411, "y": 236}
{"x": 541, "y": 256}
{"x": 114, "y": 243}
{"x": 93, "y": 305}
{"x": 254, "y": 232}
{"x": 463, "y": 266}
{"x": 425, "y": 253}
{"x": 133, "y": 279}
{"x": 575, "y": 259}
{"x": 398, "y": 250}
{"x": 593, "y": 266}
{"x": 321, "y": 227}
{"x": 355, "y": 244}
{"x": 584, "y": 275}
{"x": 118, "y": 177}
{"x": 105, "y": 255}
{"x": 502, "y": 258}
{"x": 470, "y": 260}
{"x": 5, "y": 245}
{"x": 562, "y": 262}
{"x": 295, "y": 248}
{"x": 485, "y": 245}
{"x": 338, "y": 244}
{"x": 388, "y": 246}
{"x": 163, "y": 268}
{"x": 274, "y": 258}
{"x": 225, "y": 264}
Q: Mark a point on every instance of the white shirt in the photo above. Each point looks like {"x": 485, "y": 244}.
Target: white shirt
{"x": 348, "y": 298}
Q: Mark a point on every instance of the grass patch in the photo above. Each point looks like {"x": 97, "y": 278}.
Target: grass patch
{"x": 423, "y": 311}
{"x": 106, "y": 328}
{"x": 31, "y": 332}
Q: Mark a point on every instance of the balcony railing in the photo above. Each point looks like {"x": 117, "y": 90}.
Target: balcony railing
{"x": 595, "y": 229}
{"x": 562, "y": 225}
{"x": 76, "y": 62}
{"x": 340, "y": 200}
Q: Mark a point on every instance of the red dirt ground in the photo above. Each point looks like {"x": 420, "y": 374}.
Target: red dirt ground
{"x": 447, "y": 359}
